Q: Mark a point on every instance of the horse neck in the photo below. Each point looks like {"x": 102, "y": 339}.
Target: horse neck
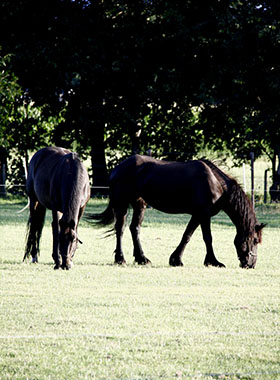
{"x": 240, "y": 210}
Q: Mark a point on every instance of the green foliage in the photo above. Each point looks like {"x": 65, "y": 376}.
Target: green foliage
{"x": 9, "y": 91}
{"x": 115, "y": 65}
{"x": 24, "y": 126}
{"x": 242, "y": 114}
{"x": 28, "y": 128}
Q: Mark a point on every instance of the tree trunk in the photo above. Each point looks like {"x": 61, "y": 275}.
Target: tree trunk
{"x": 275, "y": 188}
{"x": 3, "y": 171}
{"x": 98, "y": 161}
{"x": 135, "y": 136}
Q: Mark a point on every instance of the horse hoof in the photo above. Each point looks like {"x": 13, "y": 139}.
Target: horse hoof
{"x": 216, "y": 264}
{"x": 175, "y": 262}
{"x": 67, "y": 266}
{"x": 57, "y": 266}
{"x": 119, "y": 259}
{"x": 143, "y": 261}
{"x": 120, "y": 262}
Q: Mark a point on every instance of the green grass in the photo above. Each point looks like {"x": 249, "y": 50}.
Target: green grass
{"x": 100, "y": 321}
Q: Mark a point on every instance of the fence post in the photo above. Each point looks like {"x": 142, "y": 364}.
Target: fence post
{"x": 244, "y": 178}
{"x": 3, "y": 169}
{"x": 265, "y": 186}
{"x": 252, "y": 156}
{"x": 3, "y": 191}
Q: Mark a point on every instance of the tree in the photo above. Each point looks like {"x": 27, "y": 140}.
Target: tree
{"x": 183, "y": 73}
{"x": 24, "y": 127}
{"x": 242, "y": 112}
{"x": 9, "y": 91}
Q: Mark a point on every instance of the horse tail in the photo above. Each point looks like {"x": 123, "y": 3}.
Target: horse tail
{"x": 26, "y": 175}
{"x": 34, "y": 231}
{"x": 25, "y": 207}
{"x": 103, "y": 219}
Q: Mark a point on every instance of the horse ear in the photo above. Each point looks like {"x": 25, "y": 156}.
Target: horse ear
{"x": 259, "y": 227}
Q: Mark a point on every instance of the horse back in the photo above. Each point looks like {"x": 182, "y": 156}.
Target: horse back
{"x": 53, "y": 174}
{"x": 173, "y": 187}
{"x": 189, "y": 184}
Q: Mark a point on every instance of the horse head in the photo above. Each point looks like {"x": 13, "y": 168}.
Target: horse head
{"x": 68, "y": 242}
{"x": 247, "y": 246}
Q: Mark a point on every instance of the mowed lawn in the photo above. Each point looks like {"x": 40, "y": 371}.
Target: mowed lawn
{"x": 101, "y": 321}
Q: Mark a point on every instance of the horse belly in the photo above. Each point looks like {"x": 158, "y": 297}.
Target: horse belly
{"x": 182, "y": 198}
{"x": 171, "y": 208}
{"x": 168, "y": 199}
{"x": 179, "y": 188}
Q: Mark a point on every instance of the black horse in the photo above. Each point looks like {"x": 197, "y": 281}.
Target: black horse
{"x": 56, "y": 180}
{"x": 198, "y": 188}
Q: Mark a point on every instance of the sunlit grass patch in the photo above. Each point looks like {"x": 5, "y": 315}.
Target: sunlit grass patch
{"x": 101, "y": 321}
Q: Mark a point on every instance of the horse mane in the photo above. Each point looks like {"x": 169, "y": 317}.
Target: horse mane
{"x": 222, "y": 177}
{"x": 240, "y": 208}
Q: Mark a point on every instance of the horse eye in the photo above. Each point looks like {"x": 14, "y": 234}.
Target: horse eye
{"x": 256, "y": 241}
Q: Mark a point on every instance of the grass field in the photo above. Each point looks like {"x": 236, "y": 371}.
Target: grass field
{"x": 100, "y": 321}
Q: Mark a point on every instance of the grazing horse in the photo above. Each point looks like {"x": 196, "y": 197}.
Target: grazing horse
{"x": 198, "y": 188}
{"x": 56, "y": 180}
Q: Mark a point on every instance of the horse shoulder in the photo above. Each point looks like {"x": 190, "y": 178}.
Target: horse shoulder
{"x": 215, "y": 186}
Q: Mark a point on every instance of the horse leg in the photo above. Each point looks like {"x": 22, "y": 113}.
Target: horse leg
{"x": 35, "y": 227}
{"x": 210, "y": 258}
{"x": 137, "y": 219}
{"x": 55, "y": 230}
{"x": 120, "y": 215}
{"x": 175, "y": 258}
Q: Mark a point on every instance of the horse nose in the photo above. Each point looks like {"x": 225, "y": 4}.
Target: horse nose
{"x": 252, "y": 259}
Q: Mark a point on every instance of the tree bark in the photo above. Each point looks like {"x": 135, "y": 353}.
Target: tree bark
{"x": 3, "y": 171}
{"x": 275, "y": 188}
{"x": 98, "y": 161}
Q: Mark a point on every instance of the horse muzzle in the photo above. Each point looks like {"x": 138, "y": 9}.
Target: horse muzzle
{"x": 68, "y": 265}
{"x": 250, "y": 261}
